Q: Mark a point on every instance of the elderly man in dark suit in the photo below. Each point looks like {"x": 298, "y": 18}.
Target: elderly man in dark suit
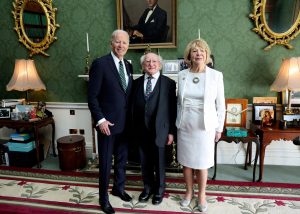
{"x": 110, "y": 83}
{"x": 153, "y": 113}
{"x": 152, "y": 25}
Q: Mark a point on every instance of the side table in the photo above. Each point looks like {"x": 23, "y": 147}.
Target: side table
{"x": 251, "y": 138}
{"x": 35, "y": 126}
{"x": 267, "y": 135}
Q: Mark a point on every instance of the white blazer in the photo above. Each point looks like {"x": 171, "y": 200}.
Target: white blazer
{"x": 214, "y": 99}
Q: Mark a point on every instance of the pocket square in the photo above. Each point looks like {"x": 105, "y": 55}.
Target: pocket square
{"x": 152, "y": 20}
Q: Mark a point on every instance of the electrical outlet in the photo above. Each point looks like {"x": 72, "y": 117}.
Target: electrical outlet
{"x": 81, "y": 131}
{"x": 73, "y": 131}
{"x": 72, "y": 112}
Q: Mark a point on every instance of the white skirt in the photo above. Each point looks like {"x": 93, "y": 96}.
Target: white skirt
{"x": 195, "y": 145}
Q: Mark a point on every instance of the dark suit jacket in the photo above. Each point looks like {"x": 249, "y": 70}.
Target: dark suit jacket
{"x": 166, "y": 110}
{"x": 154, "y": 29}
{"x": 106, "y": 97}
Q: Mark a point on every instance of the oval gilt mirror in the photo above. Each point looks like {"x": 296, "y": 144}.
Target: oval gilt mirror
{"x": 35, "y": 24}
{"x": 276, "y": 21}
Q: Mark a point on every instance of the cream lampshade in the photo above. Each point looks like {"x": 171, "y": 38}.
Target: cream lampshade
{"x": 25, "y": 77}
{"x": 288, "y": 78}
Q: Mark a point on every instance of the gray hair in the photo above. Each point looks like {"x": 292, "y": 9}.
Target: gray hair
{"x": 142, "y": 59}
{"x": 116, "y": 32}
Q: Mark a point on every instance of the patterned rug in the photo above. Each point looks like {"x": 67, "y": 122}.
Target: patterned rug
{"x": 44, "y": 191}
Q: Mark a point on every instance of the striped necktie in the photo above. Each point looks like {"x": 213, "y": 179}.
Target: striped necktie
{"x": 148, "y": 87}
{"x": 122, "y": 75}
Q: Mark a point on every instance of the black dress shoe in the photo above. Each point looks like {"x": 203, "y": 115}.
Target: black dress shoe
{"x": 107, "y": 208}
{"x": 144, "y": 196}
{"x": 157, "y": 199}
{"x": 123, "y": 195}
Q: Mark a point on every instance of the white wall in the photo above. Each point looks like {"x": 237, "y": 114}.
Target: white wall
{"x": 81, "y": 120}
{"x": 277, "y": 153}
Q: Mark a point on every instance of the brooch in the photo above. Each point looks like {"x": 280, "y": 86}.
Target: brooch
{"x": 195, "y": 80}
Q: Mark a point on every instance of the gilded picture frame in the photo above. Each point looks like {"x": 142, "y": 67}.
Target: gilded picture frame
{"x": 130, "y": 14}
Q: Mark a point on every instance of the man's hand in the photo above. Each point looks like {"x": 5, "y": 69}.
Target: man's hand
{"x": 137, "y": 34}
{"x": 170, "y": 139}
{"x": 104, "y": 127}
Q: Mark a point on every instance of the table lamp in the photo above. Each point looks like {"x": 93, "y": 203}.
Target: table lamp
{"x": 288, "y": 79}
{"x": 25, "y": 77}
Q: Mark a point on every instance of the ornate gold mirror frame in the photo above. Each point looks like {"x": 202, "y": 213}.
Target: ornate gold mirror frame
{"x": 51, "y": 26}
{"x": 262, "y": 28}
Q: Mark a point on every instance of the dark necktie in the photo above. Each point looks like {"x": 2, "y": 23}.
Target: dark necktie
{"x": 148, "y": 87}
{"x": 122, "y": 75}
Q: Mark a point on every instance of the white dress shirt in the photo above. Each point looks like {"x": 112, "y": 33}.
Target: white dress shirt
{"x": 153, "y": 80}
{"x": 149, "y": 13}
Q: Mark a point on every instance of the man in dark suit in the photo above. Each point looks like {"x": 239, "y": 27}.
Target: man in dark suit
{"x": 109, "y": 89}
{"x": 152, "y": 25}
{"x": 153, "y": 113}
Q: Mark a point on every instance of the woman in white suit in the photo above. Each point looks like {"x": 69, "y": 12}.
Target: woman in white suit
{"x": 200, "y": 118}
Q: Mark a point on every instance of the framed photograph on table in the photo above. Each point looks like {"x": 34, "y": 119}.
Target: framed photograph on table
{"x": 236, "y": 112}
{"x": 171, "y": 66}
{"x": 148, "y": 28}
{"x": 264, "y": 114}
{"x": 292, "y": 118}
{"x": 272, "y": 100}
{"x": 5, "y": 112}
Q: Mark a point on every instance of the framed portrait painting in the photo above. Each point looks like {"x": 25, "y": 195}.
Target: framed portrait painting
{"x": 151, "y": 26}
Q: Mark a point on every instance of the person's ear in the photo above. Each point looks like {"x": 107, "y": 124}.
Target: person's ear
{"x": 160, "y": 66}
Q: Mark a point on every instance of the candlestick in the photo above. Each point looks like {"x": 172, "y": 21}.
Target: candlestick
{"x": 87, "y": 67}
{"x": 87, "y": 43}
{"x": 199, "y": 33}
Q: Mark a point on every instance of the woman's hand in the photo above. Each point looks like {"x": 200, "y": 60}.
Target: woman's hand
{"x": 218, "y": 136}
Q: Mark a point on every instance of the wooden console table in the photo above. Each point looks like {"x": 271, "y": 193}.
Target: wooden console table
{"x": 35, "y": 125}
{"x": 267, "y": 135}
{"x": 251, "y": 138}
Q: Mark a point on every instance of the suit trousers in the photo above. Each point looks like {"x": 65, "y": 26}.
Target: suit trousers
{"x": 108, "y": 146}
{"x": 153, "y": 165}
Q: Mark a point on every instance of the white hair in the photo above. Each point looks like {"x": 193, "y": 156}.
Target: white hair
{"x": 116, "y": 32}
{"x": 142, "y": 59}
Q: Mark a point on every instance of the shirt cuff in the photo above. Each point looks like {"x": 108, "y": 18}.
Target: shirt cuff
{"x": 100, "y": 121}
